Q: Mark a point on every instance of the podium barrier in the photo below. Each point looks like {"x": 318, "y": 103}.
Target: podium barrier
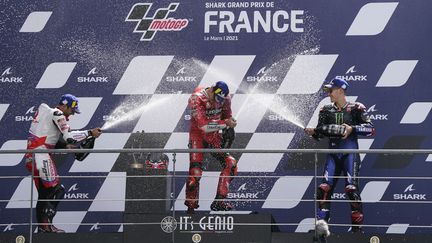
{"x": 156, "y": 221}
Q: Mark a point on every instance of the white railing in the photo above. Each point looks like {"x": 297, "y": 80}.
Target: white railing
{"x": 174, "y": 176}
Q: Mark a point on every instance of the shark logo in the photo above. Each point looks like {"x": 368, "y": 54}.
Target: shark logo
{"x": 242, "y": 188}
{"x": 181, "y": 77}
{"x": 8, "y": 228}
{"x": 28, "y": 116}
{"x": 7, "y": 72}
{"x": 262, "y": 76}
{"x": 409, "y": 195}
{"x": 6, "y": 77}
{"x": 351, "y": 70}
{"x": 181, "y": 71}
{"x": 92, "y": 77}
{"x": 262, "y": 71}
{"x": 352, "y": 75}
{"x": 72, "y": 194}
{"x": 376, "y": 117}
{"x": 92, "y": 72}
{"x": 73, "y": 188}
{"x": 372, "y": 109}
{"x": 95, "y": 227}
{"x": 241, "y": 194}
{"x": 409, "y": 188}
{"x": 31, "y": 110}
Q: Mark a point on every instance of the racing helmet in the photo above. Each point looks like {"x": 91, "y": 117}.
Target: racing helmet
{"x": 221, "y": 91}
{"x": 70, "y": 101}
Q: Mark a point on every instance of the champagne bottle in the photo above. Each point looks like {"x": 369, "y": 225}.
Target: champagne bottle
{"x": 331, "y": 130}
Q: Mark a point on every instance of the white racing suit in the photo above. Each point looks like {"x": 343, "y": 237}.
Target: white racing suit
{"x": 45, "y": 131}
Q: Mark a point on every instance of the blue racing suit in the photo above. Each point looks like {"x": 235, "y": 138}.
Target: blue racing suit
{"x": 355, "y": 115}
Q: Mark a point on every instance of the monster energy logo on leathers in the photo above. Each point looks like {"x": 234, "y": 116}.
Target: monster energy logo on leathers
{"x": 339, "y": 118}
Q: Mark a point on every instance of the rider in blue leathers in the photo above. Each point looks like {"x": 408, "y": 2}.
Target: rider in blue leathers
{"x": 342, "y": 122}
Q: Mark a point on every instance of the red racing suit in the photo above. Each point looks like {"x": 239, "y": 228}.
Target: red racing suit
{"x": 207, "y": 119}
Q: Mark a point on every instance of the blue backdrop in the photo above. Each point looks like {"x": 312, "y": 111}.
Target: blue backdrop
{"x": 134, "y": 64}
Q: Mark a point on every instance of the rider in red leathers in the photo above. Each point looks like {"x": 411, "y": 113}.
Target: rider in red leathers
{"x": 211, "y": 112}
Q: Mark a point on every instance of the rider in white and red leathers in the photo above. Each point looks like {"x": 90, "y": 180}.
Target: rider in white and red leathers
{"x": 211, "y": 112}
{"x": 48, "y": 125}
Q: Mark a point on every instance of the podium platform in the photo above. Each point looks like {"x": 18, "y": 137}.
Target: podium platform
{"x": 276, "y": 237}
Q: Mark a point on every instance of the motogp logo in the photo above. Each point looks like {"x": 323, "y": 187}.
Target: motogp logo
{"x": 148, "y": 26}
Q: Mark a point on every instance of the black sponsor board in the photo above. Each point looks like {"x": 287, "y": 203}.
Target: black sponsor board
{"x": 148, "y": 190}
{"x": 198, "y": 228}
